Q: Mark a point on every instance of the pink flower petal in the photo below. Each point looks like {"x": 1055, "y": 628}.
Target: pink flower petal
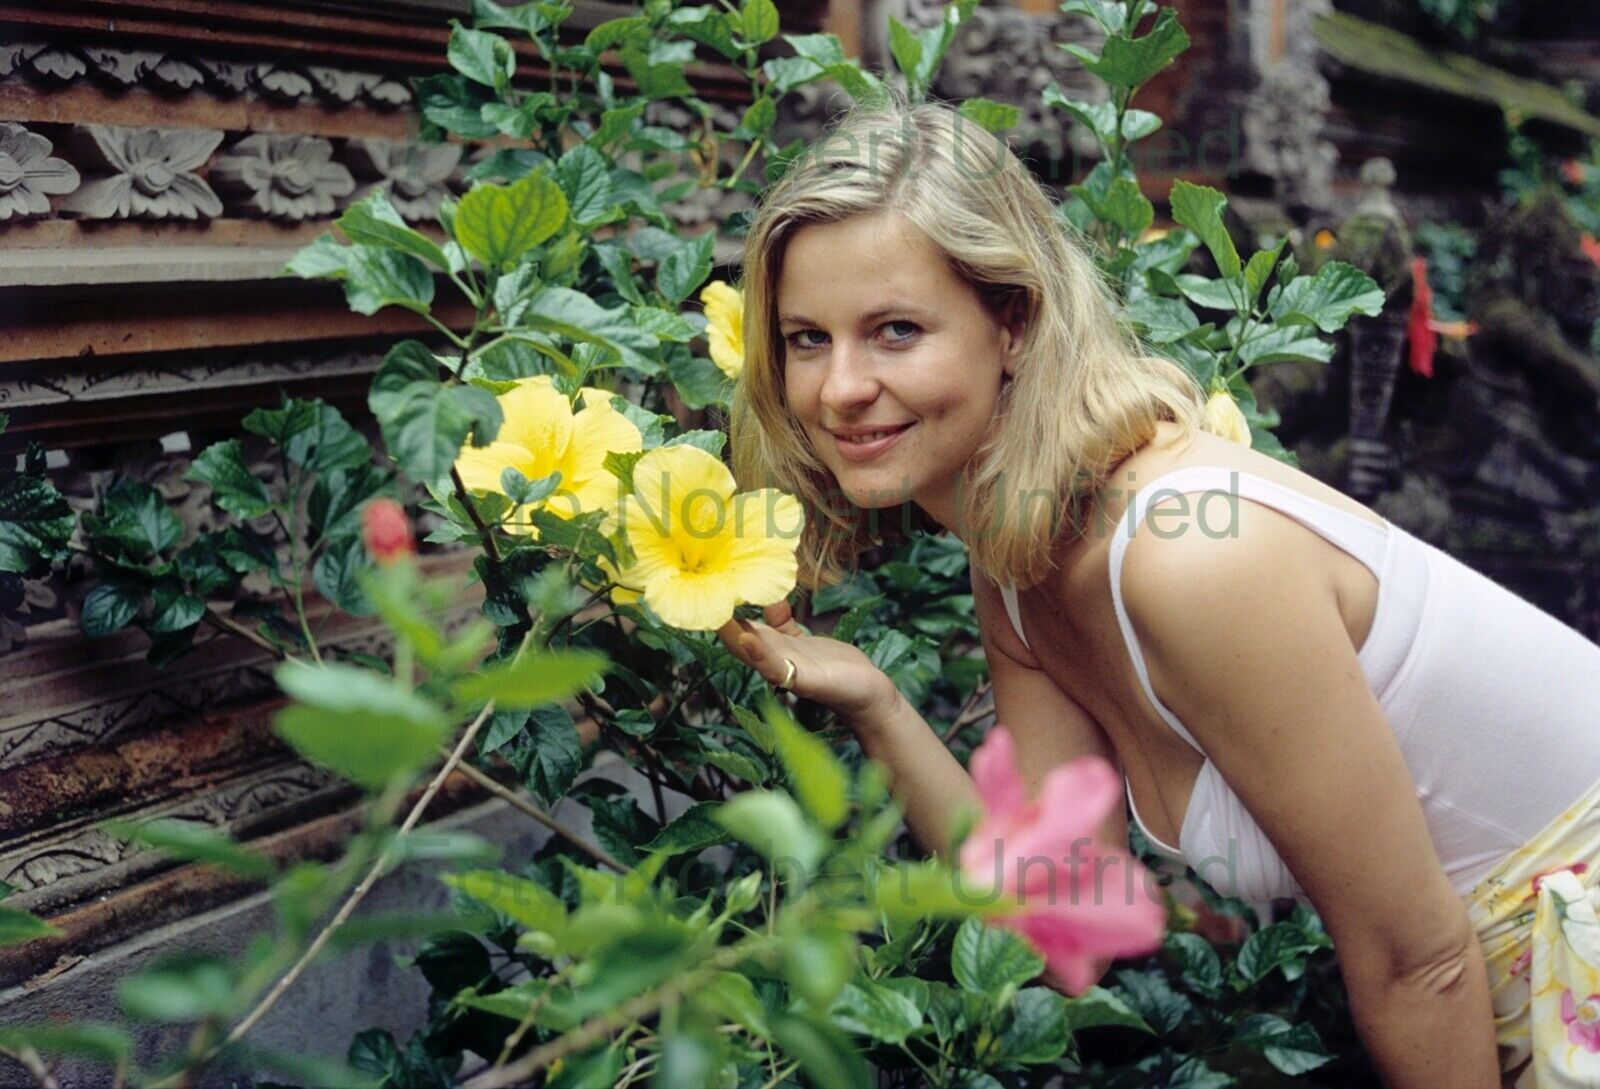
{"x": 994, "y": 773}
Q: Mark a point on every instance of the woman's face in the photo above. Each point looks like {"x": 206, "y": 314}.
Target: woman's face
{"x": 892, "y": 363}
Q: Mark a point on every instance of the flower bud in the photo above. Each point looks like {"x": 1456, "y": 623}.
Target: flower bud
{"x": 386, "y": 532}
{"x": 1222, "y": 416}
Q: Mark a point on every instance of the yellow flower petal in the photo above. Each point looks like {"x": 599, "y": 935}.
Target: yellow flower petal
{"x": 538, "y": 417}
{"x": 760, "y": 561}
{"x": 598, "y": 430}
{"x": 480, "y": 467}
{"x": 724, "y": 307}
{"x": 699, "y": 549}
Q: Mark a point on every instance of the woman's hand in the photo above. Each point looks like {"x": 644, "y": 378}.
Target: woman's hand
{"x": 833, "y": 673}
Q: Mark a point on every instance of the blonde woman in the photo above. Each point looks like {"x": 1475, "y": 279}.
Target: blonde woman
{"x": 1304, "y": 699}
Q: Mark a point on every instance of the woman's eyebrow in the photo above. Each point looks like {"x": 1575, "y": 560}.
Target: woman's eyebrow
{"x": 870, "y": 316}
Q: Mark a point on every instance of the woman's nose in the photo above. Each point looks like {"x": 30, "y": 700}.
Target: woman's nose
{"x": 848, "y": 382}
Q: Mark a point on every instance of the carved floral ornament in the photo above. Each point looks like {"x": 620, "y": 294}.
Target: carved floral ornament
{"x": 287, "y": 177}
{"x": 29, "y": 176}
{"x": 415, "y": 177}
{"x": 145, "y": 173}
{"x": 177, "y": 73}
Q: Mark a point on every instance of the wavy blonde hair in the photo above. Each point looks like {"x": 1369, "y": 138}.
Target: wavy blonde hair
{"x": 1084, "y": 396}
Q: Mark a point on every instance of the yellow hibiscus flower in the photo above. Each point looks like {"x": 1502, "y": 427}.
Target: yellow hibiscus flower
{"x": 542, "y": 435}
{"x": 725, "y": 326}
{"x": 1222, "y": 416}
{"x": 699, "y": 549}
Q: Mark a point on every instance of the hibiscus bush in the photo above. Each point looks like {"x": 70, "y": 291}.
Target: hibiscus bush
{"x": 742, "y": 907}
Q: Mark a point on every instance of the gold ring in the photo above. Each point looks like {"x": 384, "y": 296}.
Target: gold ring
{"x": 789, "y": 676}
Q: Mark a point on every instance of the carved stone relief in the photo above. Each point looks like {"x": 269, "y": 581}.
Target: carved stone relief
{"x": 68, "y": 381}
{"x": 178, "y": 73}
{"x": 1006, "y": 55}
{"x": 144, "y": 173}
{"x": 416, "y": 177}
{"x": 285, "y": 177}
{"x": 1284, "y": 109}
{"x": 29, "y": 174}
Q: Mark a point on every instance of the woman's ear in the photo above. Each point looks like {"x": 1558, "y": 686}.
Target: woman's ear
{"x": 1014, "y": 323}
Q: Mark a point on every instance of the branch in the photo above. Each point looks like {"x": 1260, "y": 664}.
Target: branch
{"x": 517, "y": 801}
{"x": 232, "y": 626}
{"x": 969, "y": 712}
{"x": 477, "y": 520}
{"x": 367, "y": 882}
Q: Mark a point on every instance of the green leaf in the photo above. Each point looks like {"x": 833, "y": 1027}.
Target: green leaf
{"x": 424, "y": 422}
{"x": 759, "y": 117}
{"x": 334, "y": 509}
{"x": 314, "y": 435}
{"x": 1329, "y": 299}
{"x": 1149, "y": 995}
{"x": 376, "y": 277}
{"x": 1297, "y": 1051}
{"x": 772, "y": 824}
{"x": 1202, "y": 969}
{"x": 1284, "y": 344}
{"x": 498, "y": 224}
{"x": 985, "y": 959}
{"x": 819, "y": 780}
{"x": 818, "y": 963}
{"x": 545, "y": 749}
{"x": 35, "y": 523}
{"x": 358, "y": 724}
{"x": 135, "y": 518}
{"x": 482, "y": 57}
{"x": 537, "y": 678}
{"x": 690, "y": 833}
{"x": 17, "y": 926}
{"x": 180, "y": 987}
{"x": 685, "y": 268}
{"x": 337, "y": 575}
{"x": 1211, "y": 294}
{"x": 759, "y": 21}
{"x": 1259, "y": 268}
{"x": 1199, "y": 208}
{"x": 195, "y": 842}
{"x": 906, "y": 47}
{"x": 234, "y": 488}
{"x": 911, "y": 891}
{"x": 110, "y": 606}
{"x": 698, "y": 380}
{"x": 689, "y": 1059}
{"x": 609, "y": 34}
{"x": 373, "y": 221}
{"x": 826, "y": 1056}
{"x": 323, "y": 258}
{"x": 876, "y": 1012}
{"x": 1122, "y": 205}
{"x": 172, "y": 609}
{"x": 1130, "y": 62}
{"x": 711, "y": 442}
{"x": 585, "y": 178}
{"x": 994, "y": 116}
{"x": 1097, "y": 1007}
{"x": 1159, "y": 320}
{"x": 527, "y": 903}
{"x": 1038, "y": 1029}
{"x": 85, "y": 1039}
{"x": 1283, "y": 947}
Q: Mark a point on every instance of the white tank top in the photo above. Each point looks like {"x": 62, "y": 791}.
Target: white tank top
{"x": 1495, "y": 704}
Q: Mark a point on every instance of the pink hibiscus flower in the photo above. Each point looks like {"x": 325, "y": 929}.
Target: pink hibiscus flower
{"x": 1080, "y": 901}
{"x": 1582, "y": 1020}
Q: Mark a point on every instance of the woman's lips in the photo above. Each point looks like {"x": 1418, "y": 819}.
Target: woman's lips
{"x": 866, "y": 451}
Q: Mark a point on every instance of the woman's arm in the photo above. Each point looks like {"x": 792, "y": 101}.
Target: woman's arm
{"x": 1245, "y": 643}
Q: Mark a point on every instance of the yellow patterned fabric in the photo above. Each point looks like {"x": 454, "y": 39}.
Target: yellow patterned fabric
{"x": 1535, "y": 916}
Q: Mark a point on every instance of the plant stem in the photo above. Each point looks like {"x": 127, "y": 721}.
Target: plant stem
{"x": 477, "y": 520}
{"x": 348, "y": 908}
{"x": 518, "y": 802}
{"x": 233, "y": 627}
{"x": 969, "y": 712}
{"x": 30, "y": 1059}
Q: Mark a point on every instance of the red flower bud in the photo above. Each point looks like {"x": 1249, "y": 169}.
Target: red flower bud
{"x": 386, "y": 531}
{"x": 1424, "y": 338}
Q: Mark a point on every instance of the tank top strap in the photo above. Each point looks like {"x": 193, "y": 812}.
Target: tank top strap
{"x": 1008, "y": 594}
{"x": 1363, "y": 539}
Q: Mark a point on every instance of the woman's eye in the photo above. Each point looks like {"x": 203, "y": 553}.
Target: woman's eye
{"x": 902, "y": 330}
{"x": 912, "y": 330}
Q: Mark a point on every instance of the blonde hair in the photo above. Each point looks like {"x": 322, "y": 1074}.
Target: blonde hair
{"x": 1083, "y": 397}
